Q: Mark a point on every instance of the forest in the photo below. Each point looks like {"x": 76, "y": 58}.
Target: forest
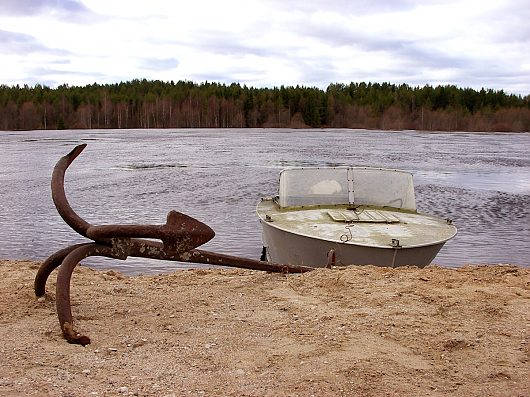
{"x": 185, "y": 104}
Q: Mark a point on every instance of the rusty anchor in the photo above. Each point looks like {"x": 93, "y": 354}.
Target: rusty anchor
{"x": 177, "y": 239}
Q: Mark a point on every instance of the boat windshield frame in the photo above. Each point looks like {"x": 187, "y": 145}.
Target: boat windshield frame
{"x": 353, "y": 186}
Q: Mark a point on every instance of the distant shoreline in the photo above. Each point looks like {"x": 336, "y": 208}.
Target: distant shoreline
{"x": 312, "y": 129}
{"x": 184, "y": 104}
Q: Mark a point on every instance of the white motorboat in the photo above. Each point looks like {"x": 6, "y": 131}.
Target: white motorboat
{"x": 355, "y": 215}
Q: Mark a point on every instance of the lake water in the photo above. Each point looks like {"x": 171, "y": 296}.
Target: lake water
{"x": 481, "y": 181}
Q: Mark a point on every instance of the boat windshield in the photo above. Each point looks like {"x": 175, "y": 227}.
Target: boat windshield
{"x": 346, "y": 185}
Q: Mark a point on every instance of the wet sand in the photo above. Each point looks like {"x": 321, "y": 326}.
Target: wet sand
{"x": 346, "y": 331}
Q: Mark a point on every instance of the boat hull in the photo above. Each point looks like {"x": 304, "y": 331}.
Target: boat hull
{"x": 367, "y": 216}
{"x": 294, "y": 249}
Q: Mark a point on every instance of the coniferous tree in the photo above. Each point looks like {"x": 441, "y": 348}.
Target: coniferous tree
{"x": 185, "y": 104}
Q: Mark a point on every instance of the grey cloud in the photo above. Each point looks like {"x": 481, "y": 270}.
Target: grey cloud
{"x": 52, "y": 77}
{"x": 510, "y": 78}
{"x": 241, "y": 73}
{"x": 229, "y": 45}
{"x": 407, "y": 50}
{"x": 510, "y": 22}
{"x": 214, "y": 42}
{"x": 430, "y": 57}
{"x": 473, "y": 74}
{"x": 61, "y": 8}
{"x": 315, "y": 73}
{"x": 354, "y": 7}
{"x": 159, "y": 64}
{"x": 35, "y": 7}
{"x": 20, "y": 43}
{"x": 11, "y": 42}
{"x": 235, "y": 73}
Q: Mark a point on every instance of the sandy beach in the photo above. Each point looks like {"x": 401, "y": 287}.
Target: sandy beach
{"x": 356, "y": 331}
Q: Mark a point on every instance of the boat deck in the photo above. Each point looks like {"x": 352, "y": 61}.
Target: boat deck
{"x": 364, "y": 226}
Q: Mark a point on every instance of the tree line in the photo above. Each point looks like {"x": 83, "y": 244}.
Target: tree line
{"x": 185, "y": 104}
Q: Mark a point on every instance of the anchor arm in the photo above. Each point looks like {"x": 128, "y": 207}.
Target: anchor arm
{"x": 62, "y": 294}
{"x": 59, "y": 196}
{"x": 48, "y": 266}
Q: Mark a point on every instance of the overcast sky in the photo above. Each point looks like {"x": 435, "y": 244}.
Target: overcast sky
{"x": 266, "y": 43}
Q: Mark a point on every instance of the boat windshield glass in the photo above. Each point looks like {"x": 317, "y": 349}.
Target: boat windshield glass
{"x": 346, "y": 185}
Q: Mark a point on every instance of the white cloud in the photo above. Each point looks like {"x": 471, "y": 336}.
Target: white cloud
{"x": 267, "y": 43}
